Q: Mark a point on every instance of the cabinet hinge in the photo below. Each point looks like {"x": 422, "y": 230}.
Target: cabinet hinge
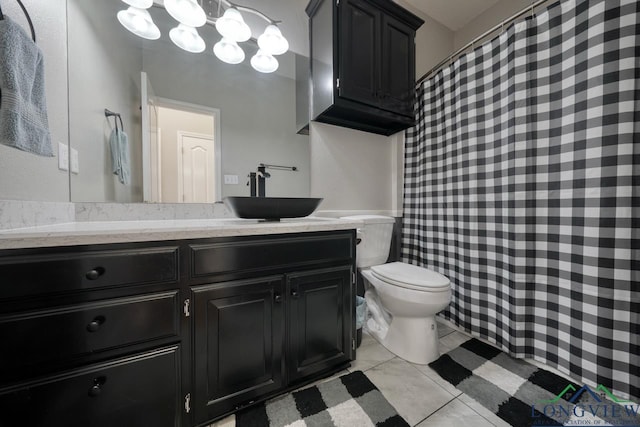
{"x": 353, "y": 343}
{"x": 337, "y": 83}
{"x": 186, "y": 307}
{"x": 187, "y": 403}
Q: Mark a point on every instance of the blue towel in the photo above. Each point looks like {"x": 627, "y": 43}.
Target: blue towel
{"x": 23, "y": 106}
{"x": 120, "y": 164}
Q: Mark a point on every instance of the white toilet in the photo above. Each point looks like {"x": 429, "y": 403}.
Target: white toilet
{"x": 410, "y": 296}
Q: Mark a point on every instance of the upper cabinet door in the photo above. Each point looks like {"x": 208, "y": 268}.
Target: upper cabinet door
{"x": 398, "y": 67}
{"x": 359, "y": 53}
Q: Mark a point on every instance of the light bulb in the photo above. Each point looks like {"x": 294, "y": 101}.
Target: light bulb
{"x": 231, "y": 26}
{"x": 272, "y": 41}
{"x": 140, "y": 4}
{"x": 187, "y": 12}
{"x": 228, "y": 51}
{"x": 139, "y": 22}
{"x": 264, "y": 62}
{"x": 187, "y": 38}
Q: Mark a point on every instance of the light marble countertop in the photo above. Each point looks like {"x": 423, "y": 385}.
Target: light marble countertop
{"x": 96, "y": 232}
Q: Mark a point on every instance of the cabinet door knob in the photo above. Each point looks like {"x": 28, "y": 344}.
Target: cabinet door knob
{"x": 95, "y": 273}
{"x": 277, "y": 298}
{"x": 294, "y": 294}
{"x": 96, "y": 388}
{"x": 94, "y": 325}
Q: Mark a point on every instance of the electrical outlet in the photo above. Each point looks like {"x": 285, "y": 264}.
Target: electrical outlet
{"x": 63, "y": 156}
{"x": 75, "y": 161}
{"x": 231, "y": 179}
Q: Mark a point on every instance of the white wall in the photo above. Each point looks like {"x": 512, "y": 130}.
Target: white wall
{"x": 488, "y": 19}
{"x": 25, "y": 176}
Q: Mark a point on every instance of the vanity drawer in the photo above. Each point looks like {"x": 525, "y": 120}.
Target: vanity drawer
{"x": 269, "y": 254}
{"x": 42, "y": 272}
{"x": 63, "y": 333}
{"x": 141, "y": 390}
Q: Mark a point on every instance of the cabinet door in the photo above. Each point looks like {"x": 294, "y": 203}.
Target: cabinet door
{"x": 359, "y": 53}
{"x": 238, "y": 335}
{"x": 320, "y": 320}
{"x": 398, "y": 67}
{"x": 140, "y": 390}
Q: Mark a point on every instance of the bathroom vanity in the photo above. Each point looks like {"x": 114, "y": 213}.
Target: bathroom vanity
{"x": 107, "y": 325}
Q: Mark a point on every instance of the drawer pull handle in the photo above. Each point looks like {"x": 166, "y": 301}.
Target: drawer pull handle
{"x": 294, "y": 294}
{"x": 94, "y": 325}
{"x": 96, "y": 388}
{"x": 277, "y": 298}
{"x": 95, "y": 273}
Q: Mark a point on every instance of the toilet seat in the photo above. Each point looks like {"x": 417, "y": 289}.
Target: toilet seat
{"x": 411, "y": 277}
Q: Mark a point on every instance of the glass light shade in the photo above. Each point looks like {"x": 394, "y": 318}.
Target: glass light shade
{"x": 139, "y": 22}
{"x": 264, "y": 62}
{"x": 187, "y": 38}
{"x": 140, "y": 4}
{"x": 231, "y": 26}
{"x": 272, "y": 41}
{"x": 187, "y": 12}
{"x": 228, "y": 51}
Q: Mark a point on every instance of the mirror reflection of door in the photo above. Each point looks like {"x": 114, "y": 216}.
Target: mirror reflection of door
{"x": 196, "y": 168}
{"x": 180, "y": 150}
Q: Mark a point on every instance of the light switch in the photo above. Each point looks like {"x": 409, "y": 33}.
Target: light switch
{"x": 231, "y": 179}
{"x": 75, "y": 161}
{"x": 63, "y": 156}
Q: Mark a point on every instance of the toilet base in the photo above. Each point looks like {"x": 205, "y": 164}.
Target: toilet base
{"x": 401, "y": 341}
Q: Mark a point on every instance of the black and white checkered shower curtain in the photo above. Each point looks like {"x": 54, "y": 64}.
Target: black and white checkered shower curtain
{"x": 522, "y": 185}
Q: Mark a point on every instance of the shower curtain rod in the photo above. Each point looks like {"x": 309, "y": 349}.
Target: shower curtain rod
{"x": 458, "y": 52}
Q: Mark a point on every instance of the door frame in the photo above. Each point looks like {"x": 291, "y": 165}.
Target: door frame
{"x": 180, "y": 154}
{"x": 217, "y": 143}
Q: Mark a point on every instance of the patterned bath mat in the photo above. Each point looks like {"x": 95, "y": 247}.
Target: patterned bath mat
{"x": 525, "y": 395}
{"x": 349, "y": 401}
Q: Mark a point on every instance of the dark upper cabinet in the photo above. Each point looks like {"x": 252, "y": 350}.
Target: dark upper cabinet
{"x": 363, "y": 64}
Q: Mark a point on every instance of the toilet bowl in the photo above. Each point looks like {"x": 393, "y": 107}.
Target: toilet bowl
{"x": 412, "y": 333}
{"x": 403, "y": 299}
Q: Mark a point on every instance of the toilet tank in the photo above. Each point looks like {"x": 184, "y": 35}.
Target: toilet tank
{"x": 376, "y": 234}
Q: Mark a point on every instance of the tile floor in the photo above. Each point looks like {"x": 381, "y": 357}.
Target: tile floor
{"x": 417, "y": 392}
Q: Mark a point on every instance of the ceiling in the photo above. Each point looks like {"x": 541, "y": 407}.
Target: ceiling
{"x": 454, "y": 14}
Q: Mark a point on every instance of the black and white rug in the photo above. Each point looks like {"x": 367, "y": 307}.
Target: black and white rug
{"x": 349, "y": 401}
{"x": 525, "y": 395}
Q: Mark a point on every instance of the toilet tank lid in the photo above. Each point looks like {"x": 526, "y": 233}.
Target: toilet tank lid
{"x": 400, "y": 272}
{"x": 371, "y": 219}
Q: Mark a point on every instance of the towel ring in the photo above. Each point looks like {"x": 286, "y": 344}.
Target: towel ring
{"x": 26, "y": 13}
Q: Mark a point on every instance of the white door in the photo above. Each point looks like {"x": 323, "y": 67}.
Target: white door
{"x": 198, "y": 168}
{"x": 150, "y": 144}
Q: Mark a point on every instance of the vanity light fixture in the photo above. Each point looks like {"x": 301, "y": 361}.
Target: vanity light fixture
{"x": 139, "y": 22}
{"x": 230, "y": 25}
{"x": 228, "y": 51}
{"x": 264, "y": 62}
{"x": 187, "y": 12}
{"x": 187, "y": 38}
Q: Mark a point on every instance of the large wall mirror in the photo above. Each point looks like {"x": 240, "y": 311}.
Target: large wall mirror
{"x": 189, "y": 117}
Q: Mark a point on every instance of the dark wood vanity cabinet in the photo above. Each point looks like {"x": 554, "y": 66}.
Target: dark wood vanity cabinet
{"x": 282, "y": 316}
{"x": 365, "y": 50}
{"x": 170, "y": 333}
{"x": 90, "y": 336}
